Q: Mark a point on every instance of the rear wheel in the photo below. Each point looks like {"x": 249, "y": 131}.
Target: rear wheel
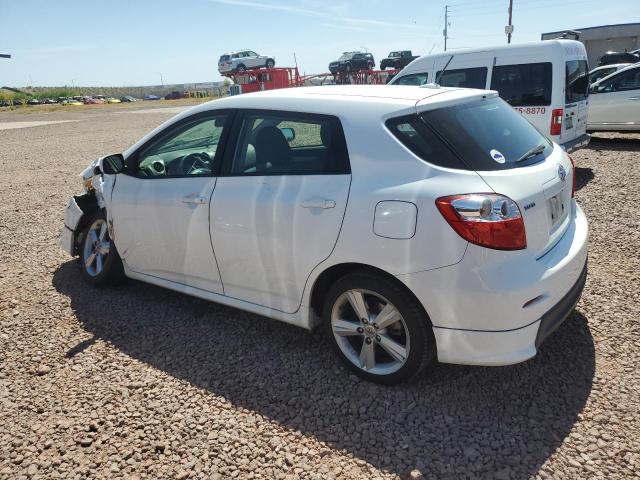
{"x": 378, "y": 329}
{"x": 99, "y": 259}
{"x": 241, "y": 68}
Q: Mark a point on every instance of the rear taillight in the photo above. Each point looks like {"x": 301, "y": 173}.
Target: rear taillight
{"x": 556, "y": 121}
{"x": 573, "y": 176}
{"x": 486, "y": 219}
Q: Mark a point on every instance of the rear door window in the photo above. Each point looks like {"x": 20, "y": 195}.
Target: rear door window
{"x": 577, "y": 81}
{"x": 463, "y": 78}
{"x": 288, "y": 143}
{"x": 526, "y": 84}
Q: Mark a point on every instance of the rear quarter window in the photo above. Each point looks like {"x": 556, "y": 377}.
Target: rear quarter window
{"x": 423, "y": 142}
{"x": 526, "y": 84}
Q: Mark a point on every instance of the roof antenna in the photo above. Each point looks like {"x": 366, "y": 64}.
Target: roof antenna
{"x": 437, "y": 82}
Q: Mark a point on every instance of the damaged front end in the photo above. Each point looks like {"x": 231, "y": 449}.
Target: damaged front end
{"x": 82, "y": 208}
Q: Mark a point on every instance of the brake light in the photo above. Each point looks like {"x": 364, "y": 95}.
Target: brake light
{"x": 556, "y": 121}
{"x": 486, "y": 219}
{"x": 573, "y": 176}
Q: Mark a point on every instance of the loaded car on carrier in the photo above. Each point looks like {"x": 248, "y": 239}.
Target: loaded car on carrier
{"x": 413, "y": 224}
{"x": 547, "y": 82}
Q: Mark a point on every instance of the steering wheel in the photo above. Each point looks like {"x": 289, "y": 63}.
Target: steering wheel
{"x": 195, "y": 163}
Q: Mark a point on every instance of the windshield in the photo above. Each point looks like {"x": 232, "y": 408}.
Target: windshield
{"x": 488, "y": 134}
{"x": 394, "y": 54}
{"x": 346, "y": 56}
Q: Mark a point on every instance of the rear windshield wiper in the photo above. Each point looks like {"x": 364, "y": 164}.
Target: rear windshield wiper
{"x": 538, "y": 149}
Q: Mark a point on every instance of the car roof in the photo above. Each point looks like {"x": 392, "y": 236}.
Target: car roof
{"x": 238, "y": 51}
{"x": 329, "y": 99}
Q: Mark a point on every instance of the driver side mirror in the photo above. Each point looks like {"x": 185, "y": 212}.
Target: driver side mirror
{"x": 289, "y": 134}
{"x": 112, "y": 164}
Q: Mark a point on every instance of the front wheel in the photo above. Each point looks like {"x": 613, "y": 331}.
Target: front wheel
{"x": 270, "y": 63}
{"x": 99, "y": 259}
{"x": 378, "y": 328}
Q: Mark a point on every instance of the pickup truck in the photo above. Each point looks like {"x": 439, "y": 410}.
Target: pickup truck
{"x": 397, "y": 60}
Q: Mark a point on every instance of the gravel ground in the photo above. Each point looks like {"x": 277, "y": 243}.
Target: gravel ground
{"x": 140, "y": 382}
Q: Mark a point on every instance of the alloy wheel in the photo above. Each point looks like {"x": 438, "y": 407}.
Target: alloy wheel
{"x": 370, "y": 331}
{"x": 96, "y": 247}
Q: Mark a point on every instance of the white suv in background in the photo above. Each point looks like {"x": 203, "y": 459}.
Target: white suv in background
{"x": 615, "y": 101}
{"x": 413, "y": 223}
{"x": 242, "y": 60}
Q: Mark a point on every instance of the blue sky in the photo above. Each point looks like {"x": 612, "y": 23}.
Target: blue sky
{"x": 133, "y": 42}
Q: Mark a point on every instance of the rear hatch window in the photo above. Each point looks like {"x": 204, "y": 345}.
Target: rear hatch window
{"x": 225, "y": 58}
{"x": 577, "y": 81}
{"x": 481, "y": 135}
{"x": 527, "y": 84}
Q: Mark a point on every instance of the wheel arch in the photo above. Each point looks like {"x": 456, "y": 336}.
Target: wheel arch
{"x": 89, "y": 205}
{"x": 330, "y": 275}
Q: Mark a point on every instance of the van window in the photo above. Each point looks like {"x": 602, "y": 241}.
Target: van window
{"x": 463, "y": 78}
{"x": 526, "y": 84}
{"x": 577, "y": 81}
{"x": 488, "y": 134}
{"x": 415, "y": 79}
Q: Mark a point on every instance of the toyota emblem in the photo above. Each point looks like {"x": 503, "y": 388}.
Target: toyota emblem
{"x": 562, "y": 173}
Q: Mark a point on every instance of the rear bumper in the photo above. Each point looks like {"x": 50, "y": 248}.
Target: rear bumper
{"x": 495, "y": 308}
{"x": 579, "y": 142}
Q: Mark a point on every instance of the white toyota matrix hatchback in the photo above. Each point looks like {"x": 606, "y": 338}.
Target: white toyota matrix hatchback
{"x": 414, "y": 224}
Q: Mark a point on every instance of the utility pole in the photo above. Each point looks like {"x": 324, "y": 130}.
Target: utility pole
{"x": 509, "y": 28}
{"x": 446, "y": 25}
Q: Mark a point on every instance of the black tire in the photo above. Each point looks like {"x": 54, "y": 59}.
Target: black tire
{"x": 422, "y": 348}
{"x": 396, "y": 65}
{"x": 347, "y": 68}
{"x": 370, "y": 66}
{"x": 112, "y": 271}
{"x": 270, "y": 63}
{"x": 241, "y": 68}
{"x": 383, "y": 66}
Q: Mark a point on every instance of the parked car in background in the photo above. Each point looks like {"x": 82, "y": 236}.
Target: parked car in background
{"x": 614, "y": 103}
{"x": 467, "y": 248}
{"x": 352, "y": 62}
{"x": 128, "y": 98}
{"x": 49, "y": 101}
{"x": 605, "y": 70}
{"x": 71, "y": 101}
{"x": 176, "y": 95}
{"x": 398, "y": 59}
{"x": 242, "y": 60}
{"x": 112, "y": 100}
{"x": 34, "y": 101}
{"x": 151, "y": 97}
{"x": 610, "y": 58}
{"x": 547, "y": 82}
{"x": 94, "y": 101}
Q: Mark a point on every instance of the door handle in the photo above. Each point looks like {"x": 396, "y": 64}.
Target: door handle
{"x": 194, "y": 199}
{"x": 318, "y": 203}
{"x": 634, "y": 98}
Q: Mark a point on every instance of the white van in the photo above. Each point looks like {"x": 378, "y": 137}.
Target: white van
{"x": 547, "y": 82}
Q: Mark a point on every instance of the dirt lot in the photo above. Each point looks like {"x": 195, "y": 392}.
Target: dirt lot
{"x": 139, "y": 382}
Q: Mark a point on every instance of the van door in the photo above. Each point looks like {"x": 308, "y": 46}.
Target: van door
{"x": 574, "y": 123}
